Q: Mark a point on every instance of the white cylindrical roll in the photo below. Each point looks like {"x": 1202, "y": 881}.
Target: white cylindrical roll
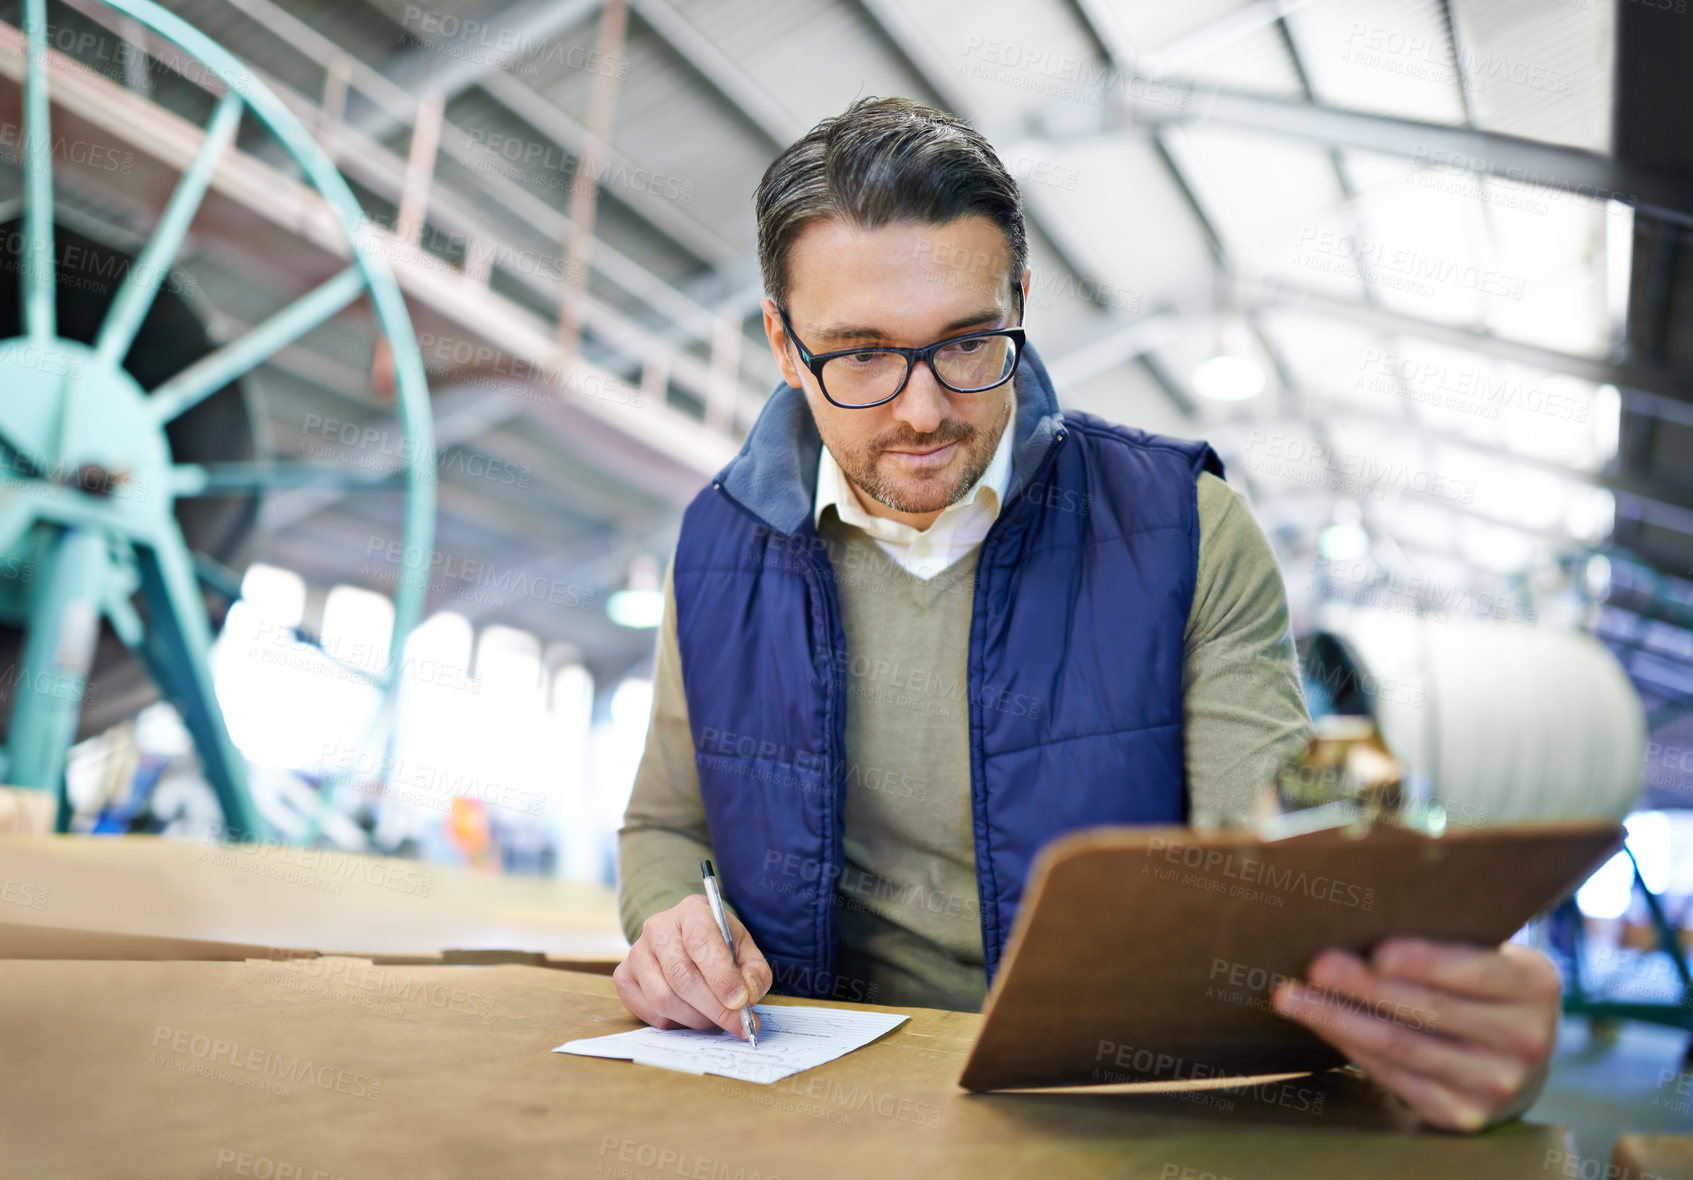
{"x": 1506, "y": 722}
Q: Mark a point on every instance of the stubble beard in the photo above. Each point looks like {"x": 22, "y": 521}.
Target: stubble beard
{"x": 921, "y": 496}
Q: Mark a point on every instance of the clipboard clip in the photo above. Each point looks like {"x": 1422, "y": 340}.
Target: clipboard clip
{"x": 1346, "y": 779}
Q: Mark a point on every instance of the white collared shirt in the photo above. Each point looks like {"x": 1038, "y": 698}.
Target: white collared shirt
{"x": 959, "y": 528}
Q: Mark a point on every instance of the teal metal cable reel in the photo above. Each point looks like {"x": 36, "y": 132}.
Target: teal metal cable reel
{"x": 90, "y": 481}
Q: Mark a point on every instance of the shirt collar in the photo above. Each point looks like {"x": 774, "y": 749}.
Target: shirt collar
{"x": 989, "y": 491}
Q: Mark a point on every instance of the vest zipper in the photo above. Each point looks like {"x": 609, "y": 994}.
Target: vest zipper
{"x": 986, "y": 903}
{"x": 986, "y": 893}
{"x": 835, "y": 801}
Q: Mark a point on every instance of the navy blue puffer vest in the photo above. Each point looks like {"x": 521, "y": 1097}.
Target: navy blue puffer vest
{"x": 1075, "y": 663}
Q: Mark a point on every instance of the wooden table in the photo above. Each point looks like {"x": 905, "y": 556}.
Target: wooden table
{"x": 142, "y": 897}
{"x": 337, "y": 1068}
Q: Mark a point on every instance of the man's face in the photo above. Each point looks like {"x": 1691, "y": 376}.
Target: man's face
{"x": 904, "y": 285}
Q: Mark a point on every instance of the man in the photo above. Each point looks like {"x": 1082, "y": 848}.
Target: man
{"x": 924, "y": 622}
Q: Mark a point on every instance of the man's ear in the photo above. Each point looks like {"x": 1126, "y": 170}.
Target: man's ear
{"x": 780, "y": 348}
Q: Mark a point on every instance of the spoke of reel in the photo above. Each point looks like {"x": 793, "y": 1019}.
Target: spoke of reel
{"x": 38, "y": 279}
{"x": 141, "y": 284}
{"x": 217, "y": 369}
{"x": 52, "y": 678}
{"x": 175, "y": 648}
{"x": 224, "y": 479}
{"x": 17, "y": 515}
{"x": 171, "y": 635}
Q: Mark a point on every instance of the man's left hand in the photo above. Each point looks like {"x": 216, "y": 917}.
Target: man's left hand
{"x": 1460, "y": 1033}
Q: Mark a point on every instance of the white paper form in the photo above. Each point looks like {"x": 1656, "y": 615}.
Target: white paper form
{"x": 789, "y": 1040}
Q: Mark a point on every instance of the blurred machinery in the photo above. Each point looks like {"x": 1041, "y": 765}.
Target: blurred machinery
{"x": 1506, "y": 724}
{"x": 130, "y": 473}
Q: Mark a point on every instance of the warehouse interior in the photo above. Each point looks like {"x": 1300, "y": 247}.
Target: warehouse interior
{"x": 1418, "y": 270}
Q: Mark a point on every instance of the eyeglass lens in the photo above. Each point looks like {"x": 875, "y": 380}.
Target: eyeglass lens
{"x": 966, "y": 366}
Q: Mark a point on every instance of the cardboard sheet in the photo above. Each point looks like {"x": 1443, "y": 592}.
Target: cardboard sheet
{"x": 341, "y": 1068}
{"x": 146, "y": 897}
{"x": 1149, "y": 953}
{"x": 1648, "y": 1157}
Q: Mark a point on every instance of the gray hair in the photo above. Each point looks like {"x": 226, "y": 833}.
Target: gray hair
{"x": 883, "y": 160}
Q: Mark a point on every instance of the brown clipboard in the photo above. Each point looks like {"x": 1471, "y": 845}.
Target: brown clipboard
{"x": 1148, "y": 954}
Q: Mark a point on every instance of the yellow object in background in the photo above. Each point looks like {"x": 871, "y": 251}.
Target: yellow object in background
{"x": 469, "y": 831}
{"x": 1345, "y": 777}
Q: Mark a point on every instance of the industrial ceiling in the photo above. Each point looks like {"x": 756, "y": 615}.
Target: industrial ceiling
{"x": 1442, "y": 230}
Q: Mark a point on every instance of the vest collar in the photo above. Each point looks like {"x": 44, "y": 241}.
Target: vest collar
{"x": 774, "y": 476}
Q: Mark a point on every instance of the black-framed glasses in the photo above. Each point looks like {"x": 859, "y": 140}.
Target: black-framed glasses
{"x": 859, "y": 378}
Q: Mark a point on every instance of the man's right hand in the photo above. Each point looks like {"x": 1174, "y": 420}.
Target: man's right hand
{"x": 679, "y": 973}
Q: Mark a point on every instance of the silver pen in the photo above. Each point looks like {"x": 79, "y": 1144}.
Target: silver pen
{"x": 717, "y": 911}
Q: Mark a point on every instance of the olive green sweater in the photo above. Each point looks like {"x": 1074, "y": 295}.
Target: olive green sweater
{"x": 909, "y": 919}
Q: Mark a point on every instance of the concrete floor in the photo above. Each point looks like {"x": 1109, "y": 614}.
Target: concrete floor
{"x": 1599, "y": 1090}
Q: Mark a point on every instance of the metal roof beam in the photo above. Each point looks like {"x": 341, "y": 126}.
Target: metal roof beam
{"x": 1100, "y": 22}
{"x": 657, "y": 211}
{"x": 395, "y": 107}
{"x": 1274, "y": 490}
{"x": 1583, "y": 174}
{"x": 521, "y": 24}
{"x": 1675, "y": 499}
{"x": 1272, "y": 296}
{"x": 748, "y": 98}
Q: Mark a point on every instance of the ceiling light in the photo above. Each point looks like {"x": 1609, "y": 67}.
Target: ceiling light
{"x": 640, "y": 604}
{"x": 1228, "y": 378}
{"x": 1343, "y": 542}
{"x": 635, "y": 608}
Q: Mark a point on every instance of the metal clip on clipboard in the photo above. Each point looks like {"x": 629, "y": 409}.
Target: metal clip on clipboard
{"x": 1345, "y": 778}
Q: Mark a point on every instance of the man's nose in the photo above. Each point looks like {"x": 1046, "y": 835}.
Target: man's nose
{"x": 922, "y": 404}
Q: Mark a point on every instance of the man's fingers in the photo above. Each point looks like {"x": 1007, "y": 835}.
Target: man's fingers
{"x": 1436, "y": 1104}
{"x": 659, "y": 998}
{"x": 1515, "y": 1028}
{"x": 1511, "y": 972}
{"x": 659, "y": 974}
{"x": 1459, "y": 1032}
{"x": 703, "y": 940}
{"x": 677, "y": 1012}
{"x": 754, "y": 969}
{"x": 1489, "y": 1077}
{"x": 630, "y": 993}
{"x": 681, "y": 973}
{"x": 643, "y": 990}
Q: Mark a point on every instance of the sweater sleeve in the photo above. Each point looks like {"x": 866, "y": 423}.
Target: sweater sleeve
{"x": 664, "y": 834}
{"x": 1244, "y": 706}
